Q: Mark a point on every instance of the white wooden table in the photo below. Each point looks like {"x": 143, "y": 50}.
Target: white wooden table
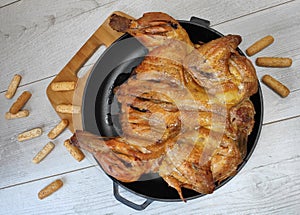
{"x": 37, "y": 38}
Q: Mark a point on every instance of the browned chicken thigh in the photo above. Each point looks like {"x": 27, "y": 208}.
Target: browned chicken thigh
{"x": 185, "y": 112}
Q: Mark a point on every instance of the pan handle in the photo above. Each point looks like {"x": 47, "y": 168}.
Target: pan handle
{"x": 127, "y": 202}
{"x": 200, "y": 21}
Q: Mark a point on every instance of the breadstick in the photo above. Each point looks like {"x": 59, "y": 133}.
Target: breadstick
{"x": 274, "y": 61}
{"x": 19, "y": 114}
{"x": 63, "y": 86}
{"x": 12, "y": 88}
{"x": 74, "y": 151}
{"x": 49, "y": 189}
{"x": 21, "y": 101}
{"x": 64, "y": 108}
{"x": 275, "y": 85}
{"x": 58, "y": 129}
{"x": 27, "y": 135}
{"x": 259, "y": 45}
{"x": 43, "y": 153}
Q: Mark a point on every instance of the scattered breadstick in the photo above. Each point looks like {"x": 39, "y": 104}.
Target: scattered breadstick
{"x": 275, "y": 85}
{"x": 49, "y": 189}
{"x": 63, "y": 85}
{"x": 58, "y": 129}
{"x": 274, "y": 61}
{"x": 12, "y": 88}
{"x": 74, "y": 151}
{"x": 19, "y": 114}
{"x": 27, "y": 135}
{"x": 43, "y": 153}
{"x": 21, "y": 101}
{"x": 63, "y": 108}
{"x": 259, "y": 45}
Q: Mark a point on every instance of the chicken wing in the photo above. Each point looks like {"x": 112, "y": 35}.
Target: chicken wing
{"x": 185, "y": 111}
{"x": 226, "y": 75}
{"x": 152, "y": 29}
{"x": 117, "y": 158}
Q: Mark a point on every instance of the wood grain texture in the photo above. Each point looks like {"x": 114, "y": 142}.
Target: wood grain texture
{"x": 286, "y": 44}
{"x": 276, "y": 109}
{"x": 15, "y": 158}
{"x": 7, "y": 3}
{"x": 55, "y": 30}
{"x": 104, "y": 35}
{"x": 38, "y": 38}
{"x": 272, "y": 172}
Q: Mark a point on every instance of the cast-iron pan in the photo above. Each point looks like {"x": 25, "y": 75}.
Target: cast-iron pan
{"x": 98, "y": 112}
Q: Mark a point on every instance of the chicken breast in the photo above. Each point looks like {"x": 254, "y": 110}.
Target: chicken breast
{"x": 185, "y": 110}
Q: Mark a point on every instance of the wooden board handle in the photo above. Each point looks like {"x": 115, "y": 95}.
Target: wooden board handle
{"x": 104, "y": 35}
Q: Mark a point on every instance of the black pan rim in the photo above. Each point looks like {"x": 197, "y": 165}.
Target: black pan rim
{"x": 249, "y": 154}
{"x": 240, "y": 167}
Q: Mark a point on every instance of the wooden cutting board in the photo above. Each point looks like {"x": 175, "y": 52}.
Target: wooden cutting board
{"x": 104, "y": 35}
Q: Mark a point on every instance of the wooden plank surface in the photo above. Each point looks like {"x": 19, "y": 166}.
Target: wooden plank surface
{"x": 55, "y": 30}
{"x": 16, "y": 165}
{"x": 37, "y": 38}
{"x": 287, "y": 44}
{"x": 267, "y": 185}
{"x": 104, "y": 35}
{"x": 6, "y": 3}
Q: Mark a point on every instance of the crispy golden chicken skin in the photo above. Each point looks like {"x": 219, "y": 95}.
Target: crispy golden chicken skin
{"x": 185, "y": 110}
{"x": 222, "y": 71}
{"x": 152, "y": 29}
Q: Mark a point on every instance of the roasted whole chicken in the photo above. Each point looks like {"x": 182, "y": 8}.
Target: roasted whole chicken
{"x": 185, "y": 110}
